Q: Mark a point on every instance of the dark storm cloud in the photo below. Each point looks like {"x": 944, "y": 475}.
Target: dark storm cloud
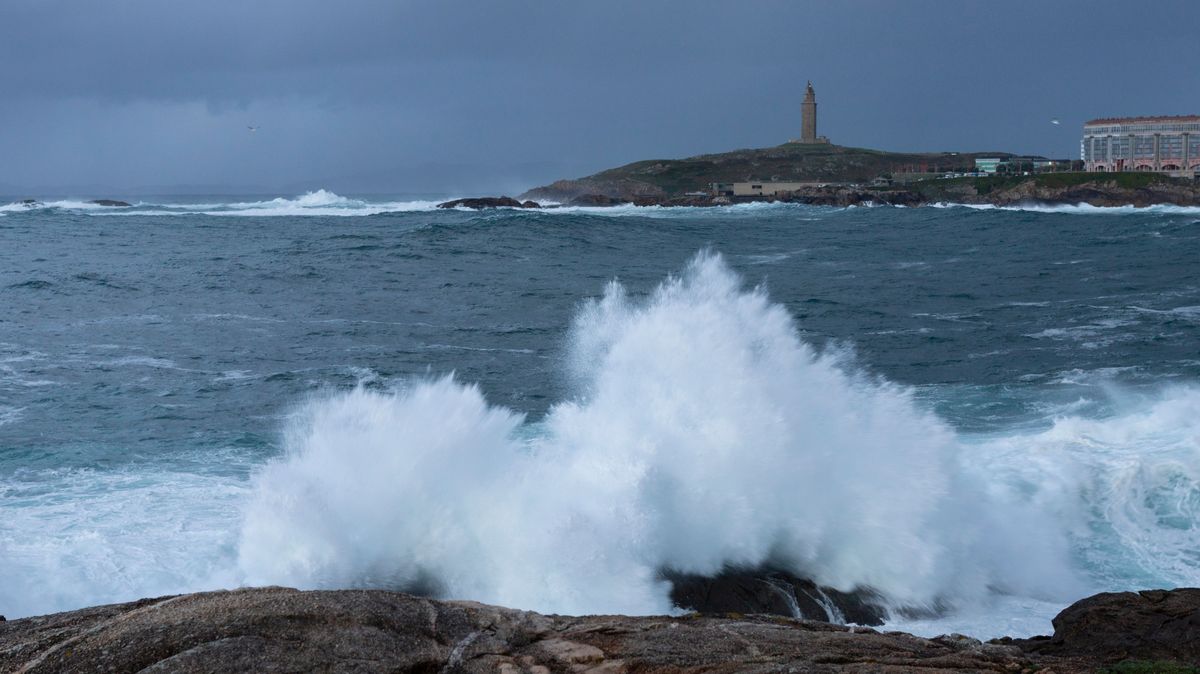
{"x": 449, "y": 95}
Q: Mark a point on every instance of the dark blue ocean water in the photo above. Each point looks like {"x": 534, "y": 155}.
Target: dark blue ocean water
{"x": 151, "y": 358}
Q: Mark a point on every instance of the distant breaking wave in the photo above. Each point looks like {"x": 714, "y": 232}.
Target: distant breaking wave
{"x": 325, "y": 203}
{"x": 1080, "y": 209}
{"x": 318, "y": 203}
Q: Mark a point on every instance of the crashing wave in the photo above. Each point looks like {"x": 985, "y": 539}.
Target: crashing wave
{"x": 704, "y": 434}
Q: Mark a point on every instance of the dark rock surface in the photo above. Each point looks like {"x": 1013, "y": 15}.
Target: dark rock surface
{"x": 488, "y": 202}
{"x": 597, "y": 200}
{"x": 1097, "y": 190}
{"x": 1114, "y": 626}
{"x": 111, "y": 202}
{"x": 284, "y": 630}
{"x": 774, "y": 592}
{"x": 277, "y": 629}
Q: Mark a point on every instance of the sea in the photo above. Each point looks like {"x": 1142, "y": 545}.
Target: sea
{"x": 983, "y": 414}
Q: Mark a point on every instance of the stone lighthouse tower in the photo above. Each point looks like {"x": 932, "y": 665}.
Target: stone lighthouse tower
{"x": 808, "y": 116}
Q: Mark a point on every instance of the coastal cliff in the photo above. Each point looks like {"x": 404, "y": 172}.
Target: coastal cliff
{"x": 284, "y": 630}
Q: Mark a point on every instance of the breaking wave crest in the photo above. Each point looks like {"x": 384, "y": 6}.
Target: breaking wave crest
{"x": 703, "y": 432}
{"x": 1080, "y": 209}
{"x": 319, "y": 202}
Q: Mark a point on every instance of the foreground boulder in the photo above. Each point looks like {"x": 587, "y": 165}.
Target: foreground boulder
{"x": 489, "y": 202}
{"x": 1114, "y": 626}
{"x": 283, "y": 630}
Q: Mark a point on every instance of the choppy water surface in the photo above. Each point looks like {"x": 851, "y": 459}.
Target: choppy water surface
{"x": 996, "y": 410}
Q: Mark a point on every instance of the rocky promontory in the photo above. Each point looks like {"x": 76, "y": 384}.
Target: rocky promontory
{"x": 832, "y": 175}
{"x": 1096, "y": 189}
{"x": 790, "y": 162}
{"x": 284, "y": 630}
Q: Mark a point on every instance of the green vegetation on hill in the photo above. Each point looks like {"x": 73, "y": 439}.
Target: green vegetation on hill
{"x": 1052, "y": 180}
{"x": 790, "y": 162}
{"x": 851, "y": 171}
{"x": 1097, "y": 189}
{"x": 1150, "y": 667}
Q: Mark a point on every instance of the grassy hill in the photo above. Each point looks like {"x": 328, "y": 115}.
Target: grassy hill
{"x": 790, "y": 162}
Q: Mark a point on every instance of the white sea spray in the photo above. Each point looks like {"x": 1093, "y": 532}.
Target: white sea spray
{"x": 704, "y": 432}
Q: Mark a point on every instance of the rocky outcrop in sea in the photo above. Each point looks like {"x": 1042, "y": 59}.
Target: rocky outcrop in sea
{"x": 488, "y": 202}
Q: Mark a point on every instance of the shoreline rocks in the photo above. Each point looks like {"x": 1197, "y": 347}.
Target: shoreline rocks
{"x": 776, "y": 592}
{"x": 479, "y": 203}
{"x": 1054, "y": 189}
{"x": 1147, "y": 625}
{"x": 279, "y": 629}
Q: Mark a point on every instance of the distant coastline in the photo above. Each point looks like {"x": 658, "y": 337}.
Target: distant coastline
{"x": 843, "y": 176}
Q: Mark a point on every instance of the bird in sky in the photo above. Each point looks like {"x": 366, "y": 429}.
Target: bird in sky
{"x": 1055, "y": 122}
{"x": 255, "y": 128}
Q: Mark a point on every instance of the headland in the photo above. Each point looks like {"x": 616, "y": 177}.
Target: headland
{"x": 832, "y": 175}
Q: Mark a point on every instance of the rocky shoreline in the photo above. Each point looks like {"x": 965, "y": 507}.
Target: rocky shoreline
{"x": 284, "y": 630}
{"x": 1101, "y": 192}
{"x": 1054, "y": 189}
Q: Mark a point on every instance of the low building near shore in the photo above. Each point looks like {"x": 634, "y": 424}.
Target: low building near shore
{"x": 1020, "y": 165}
{"x": 769, "y": 189}
{"x": 1159, "y": 144}
{"x": 988, "y": 165}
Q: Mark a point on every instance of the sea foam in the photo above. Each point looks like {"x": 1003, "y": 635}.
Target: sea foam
{"x": 703, "y": 432}
{"x": 1079, "y": 209}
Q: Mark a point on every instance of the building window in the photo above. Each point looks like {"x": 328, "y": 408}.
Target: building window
{"x": 1170, "y": 147}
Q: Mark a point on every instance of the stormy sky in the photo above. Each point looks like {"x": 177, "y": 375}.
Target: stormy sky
{"x": 449, "y": 96}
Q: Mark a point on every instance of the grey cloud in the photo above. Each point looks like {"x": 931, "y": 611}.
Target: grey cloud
{"x": 406, "y": 95}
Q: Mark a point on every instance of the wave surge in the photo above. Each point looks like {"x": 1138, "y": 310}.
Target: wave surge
{"x": 703, "y": 433}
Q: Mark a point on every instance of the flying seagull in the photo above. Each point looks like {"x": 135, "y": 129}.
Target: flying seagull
{"x": 1055, "y": 122}
{"x": 255, "y": 128}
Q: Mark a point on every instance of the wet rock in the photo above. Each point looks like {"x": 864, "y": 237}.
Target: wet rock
{"x": 486, "y": 202}
{"x": 775, "y": 592}
{"x": 278, "y": 629}
{"x": 110, "y": 202}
